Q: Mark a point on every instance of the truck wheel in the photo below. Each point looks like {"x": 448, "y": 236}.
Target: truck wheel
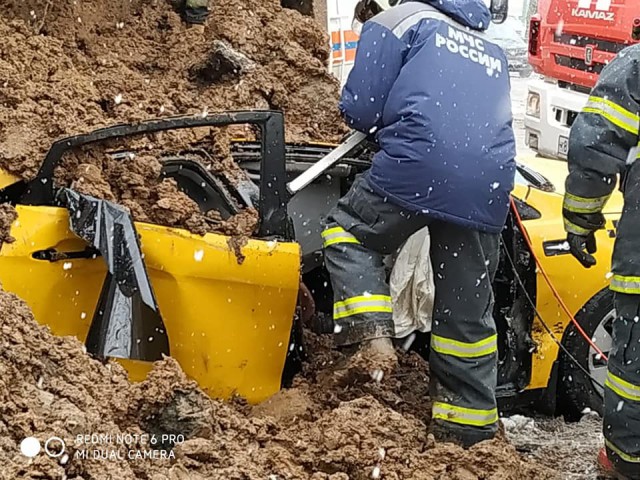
{"x": 577, "y": 390}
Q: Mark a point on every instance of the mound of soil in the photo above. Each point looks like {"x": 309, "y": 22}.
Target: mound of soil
{"x": 319, "y": 429}
{"x": 68, "y": 67}
{"x": 136, "y": 184}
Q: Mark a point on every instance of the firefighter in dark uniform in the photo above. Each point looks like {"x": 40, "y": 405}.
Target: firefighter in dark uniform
{"x": 604, "y": 144}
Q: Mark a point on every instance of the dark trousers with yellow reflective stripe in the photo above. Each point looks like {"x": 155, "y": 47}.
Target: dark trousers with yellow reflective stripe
{"x": 622, "y": 388}
{"x": 360, "y": 231}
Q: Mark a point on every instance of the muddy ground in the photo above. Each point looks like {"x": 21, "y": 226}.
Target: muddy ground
{"x": 318, "y": 429}
{"x": 570, "y": 448}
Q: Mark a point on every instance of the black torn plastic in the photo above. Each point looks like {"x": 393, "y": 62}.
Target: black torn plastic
{"x": 127, "y": 322}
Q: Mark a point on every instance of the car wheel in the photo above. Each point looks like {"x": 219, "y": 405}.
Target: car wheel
{"x": 578, "y": 391}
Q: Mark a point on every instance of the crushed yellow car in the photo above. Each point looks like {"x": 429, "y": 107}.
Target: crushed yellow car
{"x": 231, "y": 325}
{"x": 228, "y": 324}
{"x": 547, "y": 377}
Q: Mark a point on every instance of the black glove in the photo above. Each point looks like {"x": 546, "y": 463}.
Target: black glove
{"x": 582, "y": 246}
{"x": 577, "y": 246}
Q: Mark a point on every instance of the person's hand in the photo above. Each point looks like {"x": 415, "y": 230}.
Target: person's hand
{"x": 581, "y": 247}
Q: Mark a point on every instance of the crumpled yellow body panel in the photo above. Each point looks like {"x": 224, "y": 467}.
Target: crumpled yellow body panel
{"x": 575, "y": 285}
{"x": 228, "y": 324}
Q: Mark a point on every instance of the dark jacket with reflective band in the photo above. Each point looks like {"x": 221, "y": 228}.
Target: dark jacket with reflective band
{"x": 604, "y": 143}
{"x": 437, "y": 93}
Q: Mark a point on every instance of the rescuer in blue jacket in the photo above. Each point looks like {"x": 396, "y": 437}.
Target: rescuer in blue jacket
{"x": 434, "y": 92}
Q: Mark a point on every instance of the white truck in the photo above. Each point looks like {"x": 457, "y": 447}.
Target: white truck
{"x": 570, "y": 42}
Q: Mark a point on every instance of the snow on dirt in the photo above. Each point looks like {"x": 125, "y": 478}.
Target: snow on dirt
{"x": 569, "y": 448}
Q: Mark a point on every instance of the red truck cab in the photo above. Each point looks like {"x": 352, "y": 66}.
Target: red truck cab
{"x": 570, "y": 42}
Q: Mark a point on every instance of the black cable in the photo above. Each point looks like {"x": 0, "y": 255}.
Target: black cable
{"x": 551, "y": 334}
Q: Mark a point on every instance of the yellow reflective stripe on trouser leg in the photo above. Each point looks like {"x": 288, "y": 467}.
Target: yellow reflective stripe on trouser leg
{"x": 335, "y": 235}
{"x": 625, "y": 284}
{"x": 464, "y": 416}
{"x": 448, "y": 346}
{"x": 623, "y": 388}
{"x": 617, "y": 115}
{"x": 625, "y": 456}
{"x": 362, "y": 304}
{"x": 574, "y": 203}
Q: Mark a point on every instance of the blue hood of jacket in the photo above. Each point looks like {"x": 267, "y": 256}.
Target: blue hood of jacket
{"x": 470, "y": 13}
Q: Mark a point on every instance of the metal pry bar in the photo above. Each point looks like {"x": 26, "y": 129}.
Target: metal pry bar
{"x": 353, "y": 140}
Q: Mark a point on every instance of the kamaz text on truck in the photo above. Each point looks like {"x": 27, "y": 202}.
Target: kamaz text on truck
{"x": 570, "y": 42}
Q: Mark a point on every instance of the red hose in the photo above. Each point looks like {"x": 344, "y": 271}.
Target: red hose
{"x": 553, "y": 289}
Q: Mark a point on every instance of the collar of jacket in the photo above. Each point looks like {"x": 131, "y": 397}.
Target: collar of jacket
{"x": 470, "y": 13}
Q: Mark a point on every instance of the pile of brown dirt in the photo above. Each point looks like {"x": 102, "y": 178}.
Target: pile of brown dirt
{"x": 8, "y": 215}
{"x": 318, "y": 429}
{"x": 68, "y": 67}
{"x": 136, "y": 184}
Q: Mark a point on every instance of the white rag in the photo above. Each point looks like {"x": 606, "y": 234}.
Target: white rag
{"x": 412, "y": 287}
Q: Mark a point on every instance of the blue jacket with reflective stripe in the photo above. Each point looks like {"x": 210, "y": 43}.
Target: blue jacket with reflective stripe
{"x": 436, "y": 93}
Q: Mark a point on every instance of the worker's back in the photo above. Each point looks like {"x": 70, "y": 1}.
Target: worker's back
{"x": 444, "y": 122}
